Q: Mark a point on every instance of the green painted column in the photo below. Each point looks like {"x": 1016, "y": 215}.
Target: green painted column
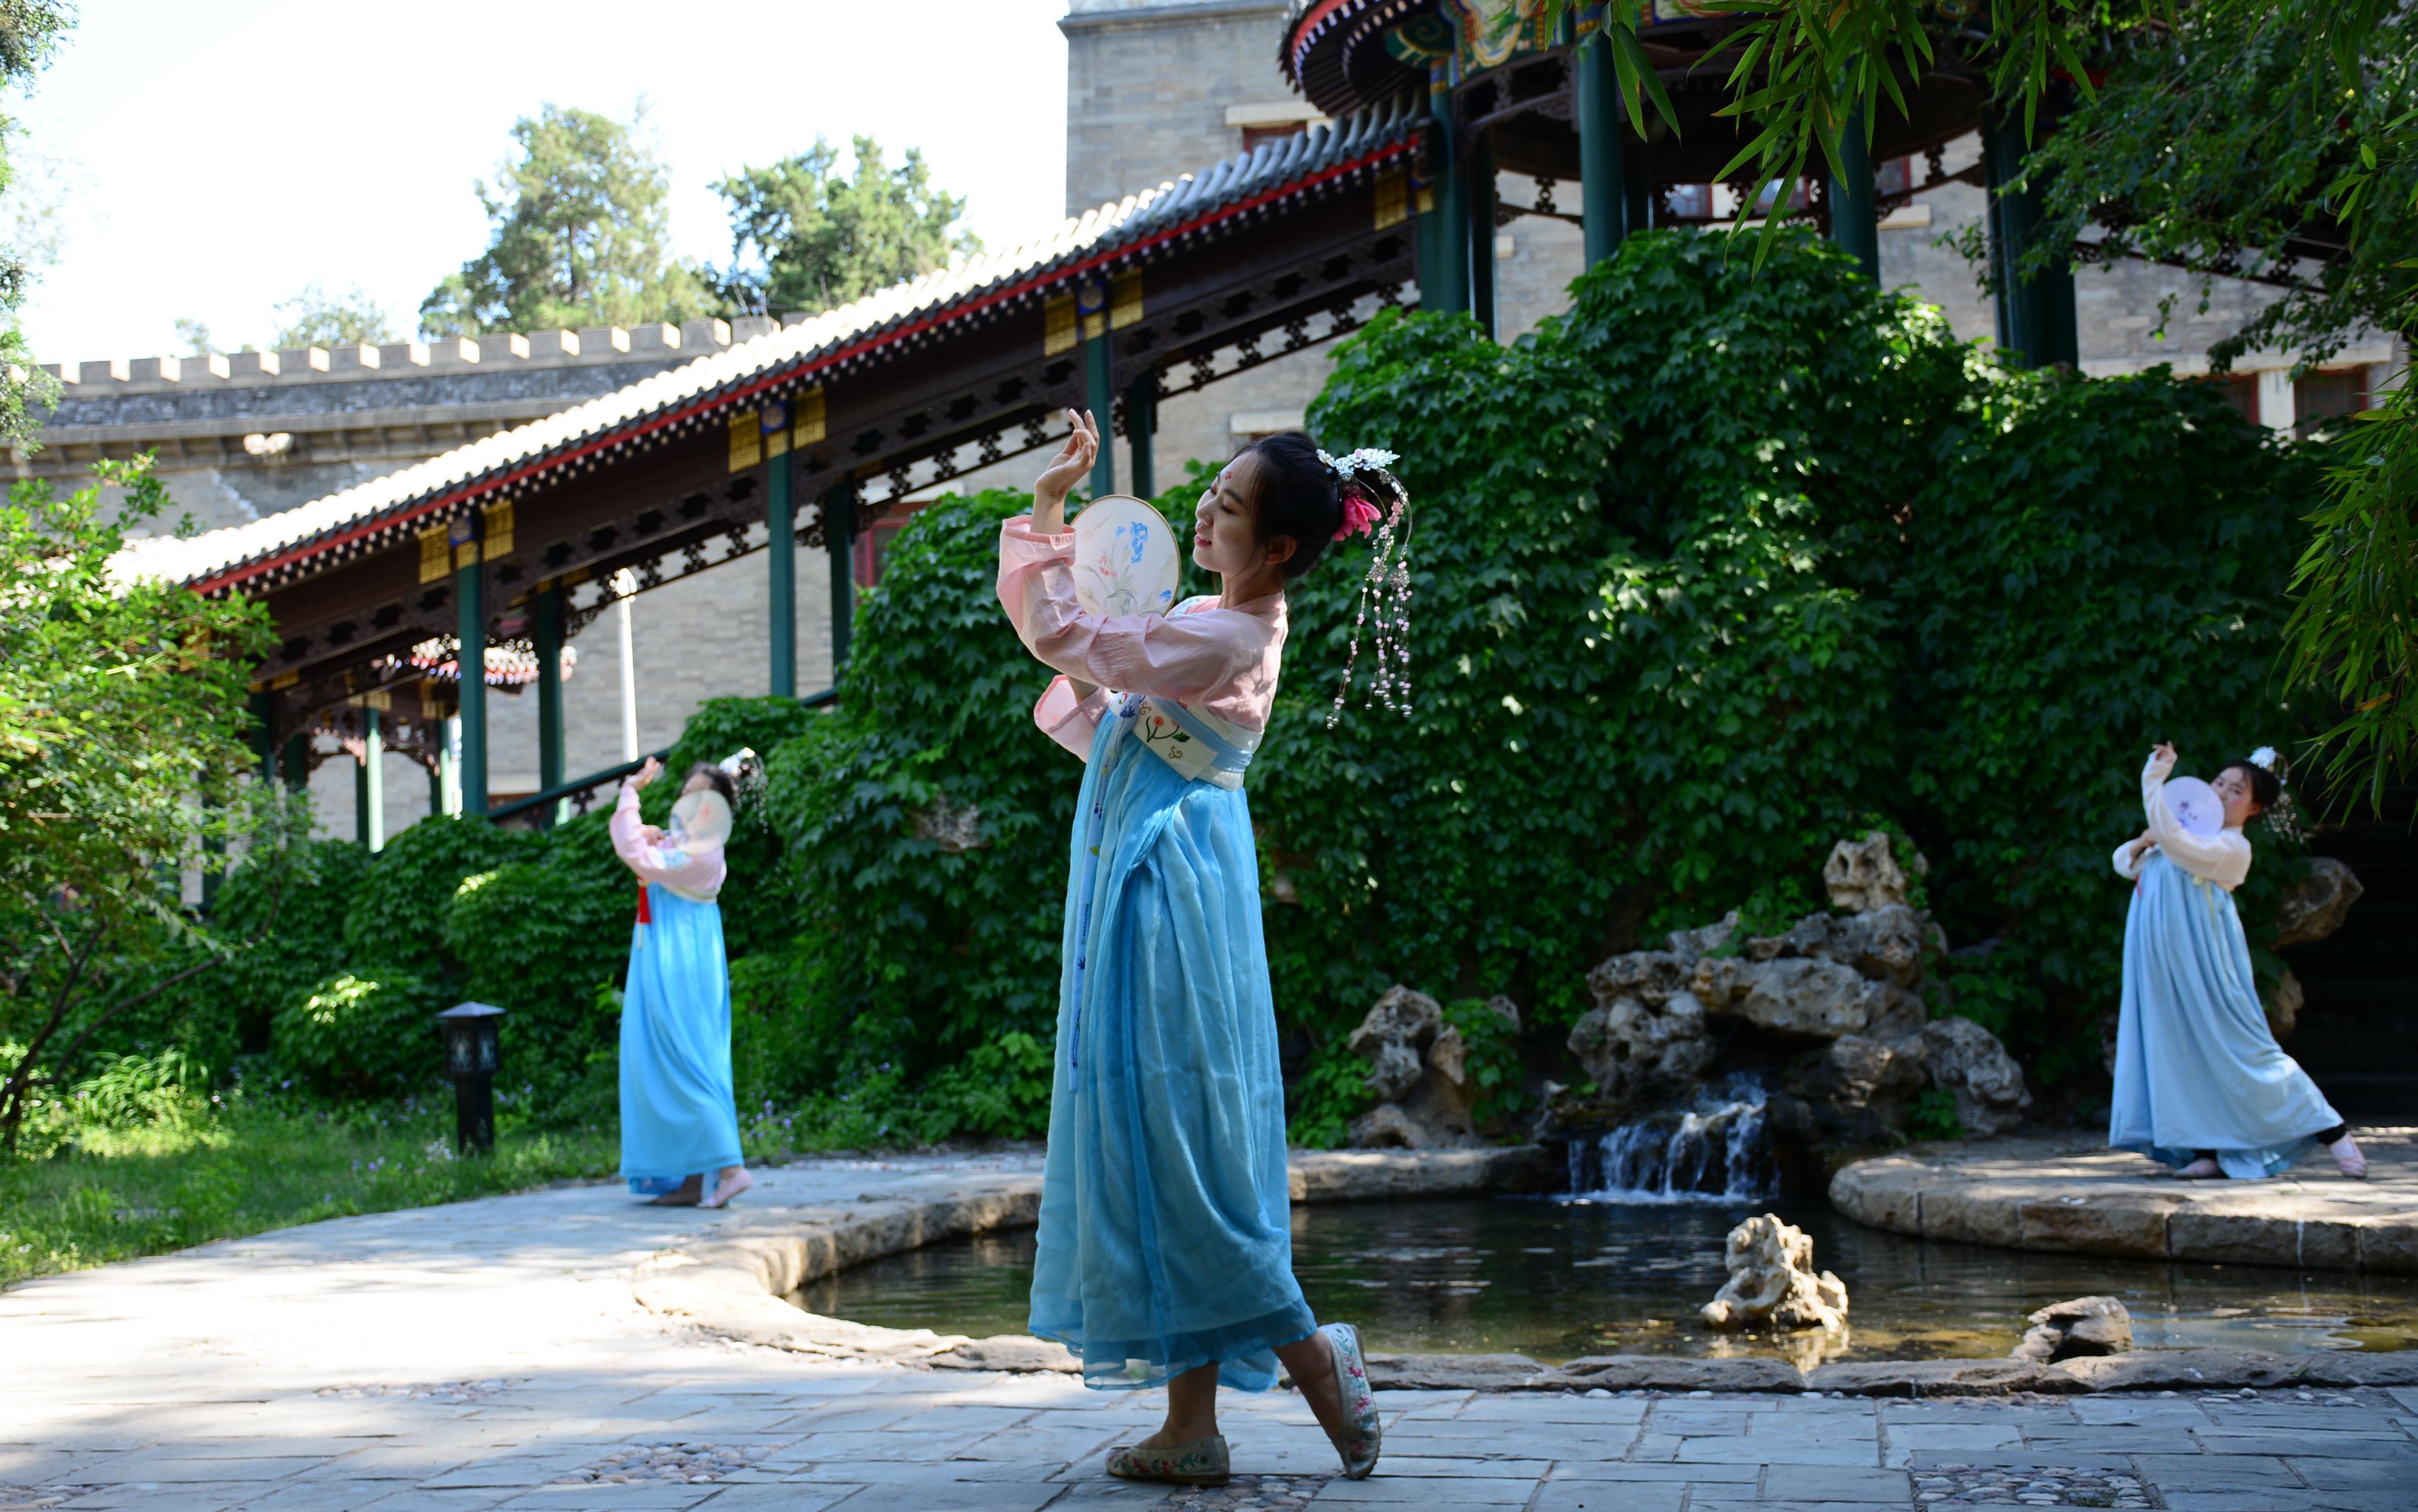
{"x": 1853, "y": 225}
{"x": 545, "y": 640}
{"x": 470, "y": 630}
{"x": 839, "y": 539}
{"x": 369, "y": 785}
{"x": 781, "y": 554}
{"x": 1443, "y": 263}
{"x": 2036, "y": 318}
{"x": 1100, "y": 397}
{"x": 264, "y": 733}
{"x": 1141, "y": 422}
{"x": 1482, "y": 199}
{"x": 1603, "y": 176}
{"x": 295, "y": 764}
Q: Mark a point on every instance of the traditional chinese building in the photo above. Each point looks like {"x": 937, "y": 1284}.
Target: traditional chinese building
{"x": 1208, "y": 257}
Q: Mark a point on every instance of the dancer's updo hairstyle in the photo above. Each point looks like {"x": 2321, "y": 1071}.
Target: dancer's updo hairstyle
{"x": 1299, "y": 496}
{"x": 719, "y": 779}
{"x": 2265, "y": 787}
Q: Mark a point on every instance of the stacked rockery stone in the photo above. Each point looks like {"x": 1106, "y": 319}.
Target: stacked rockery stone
{"x": 1419, "y": 1070}
{"x": 1840, "y": 998}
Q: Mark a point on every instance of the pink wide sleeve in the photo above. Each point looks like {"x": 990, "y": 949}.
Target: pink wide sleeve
{"x": 700, "y": 873}
{"x": 2222, "y": 858}
{"x": 1069, "y": 719}
{"x": 1189, "y": 658}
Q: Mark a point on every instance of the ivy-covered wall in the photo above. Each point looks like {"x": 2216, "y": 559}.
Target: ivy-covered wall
{"x": 1719, "y": 568}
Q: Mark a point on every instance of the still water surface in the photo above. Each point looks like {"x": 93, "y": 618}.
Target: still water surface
{"x": 1555, "y": 1280}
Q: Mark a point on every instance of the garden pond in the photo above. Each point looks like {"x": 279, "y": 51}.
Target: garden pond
{"x": 1556, "y": 1278}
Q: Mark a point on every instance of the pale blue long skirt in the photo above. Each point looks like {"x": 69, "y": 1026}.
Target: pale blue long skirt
{"x": 677, "y": 1116}
{"x": 1166, "y": 1239}
{"x": 2196, "y": 1067}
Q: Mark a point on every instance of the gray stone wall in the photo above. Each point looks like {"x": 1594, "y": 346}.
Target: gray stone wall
{"x": 1149, "y": 86}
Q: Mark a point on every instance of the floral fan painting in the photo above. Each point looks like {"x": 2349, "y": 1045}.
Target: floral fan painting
{"x": 1124, "y": 557}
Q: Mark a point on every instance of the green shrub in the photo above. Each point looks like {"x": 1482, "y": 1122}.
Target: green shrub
{"x": 363, "y": 1036}
{"x": 397, "y": 914}
{"x": 537, "y": 939}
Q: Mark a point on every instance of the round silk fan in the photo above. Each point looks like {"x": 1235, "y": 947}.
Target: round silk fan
{"x": 2195, "y": 805}
{"x": 1125, "y": 558}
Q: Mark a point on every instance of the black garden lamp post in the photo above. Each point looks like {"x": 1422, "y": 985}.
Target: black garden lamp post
{"x": 470, "y": 1052}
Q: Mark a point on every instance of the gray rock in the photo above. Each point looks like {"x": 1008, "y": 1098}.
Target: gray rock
{"x": 1693, "y": 943}
{"x": 1938, "y": 1378}
{"x": 1650, "y": 976}
{"x": 1630, "y": 1049}
{"x": 1772, "y": 1282}
{"x": 1858, "y": 1072}
{"x": 1419, "y": 1070}
{"x": 2317, "y": 904}
{"x": 1393, "y": 1070}
{"x": 1968, "y": 1060}
{"x": 1662, "y": 1372}
{"x": 1360, "y": 1175}
{"x": 2284, "y": 1002}
{"x": 1461, "y": 1373}
{"x": 2180, "y": 1371}
{"x": 1807, "y": 997}
{"x": 1864, "y": 874}
{"x": 1008, "y": 1352}
{"x": 2083, "y": 1326}
{"x": 1886, "y": 943}
{"x": 1385, "y": 1126}
{"x": 1900, "y": 1014}
{"x": 1401, "y": 1016}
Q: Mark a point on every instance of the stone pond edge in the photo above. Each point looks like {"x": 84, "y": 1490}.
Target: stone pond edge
{"x": 1905, "y": 1194}
{"x": 730, "y": 1283}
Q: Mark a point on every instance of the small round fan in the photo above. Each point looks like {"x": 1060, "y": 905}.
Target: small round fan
{"x": 1125, "y": 558}
{"x": 2195, "y": 805}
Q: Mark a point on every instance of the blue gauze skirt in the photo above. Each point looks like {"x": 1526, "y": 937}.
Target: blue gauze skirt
{"x": 2196, "y": 1067}
{"x": 1166, "y": 1240}
{"x": 678, "y": 1117}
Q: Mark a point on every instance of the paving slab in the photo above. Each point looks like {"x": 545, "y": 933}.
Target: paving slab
{"x": 2073, "y": 1194}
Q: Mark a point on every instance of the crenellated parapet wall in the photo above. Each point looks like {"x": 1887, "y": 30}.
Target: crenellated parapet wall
{"x": 240, "y": 434}
{"x": 324, "y": 366}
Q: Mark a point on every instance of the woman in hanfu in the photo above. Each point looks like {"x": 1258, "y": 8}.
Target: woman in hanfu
{"x": 679, "y": 1121}
{"x": 1165, "y": 1251}
{"x": 2200, "y": 1082}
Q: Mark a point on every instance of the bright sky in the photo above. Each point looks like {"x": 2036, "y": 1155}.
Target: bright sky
{"x": 211, "y": 158}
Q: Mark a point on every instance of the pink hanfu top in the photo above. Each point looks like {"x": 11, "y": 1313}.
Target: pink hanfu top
{"x": 1219, "y": 661}
{"x": 697, "y": 874}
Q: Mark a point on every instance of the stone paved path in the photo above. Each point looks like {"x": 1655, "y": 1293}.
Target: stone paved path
{"x": 489, "y": 1356}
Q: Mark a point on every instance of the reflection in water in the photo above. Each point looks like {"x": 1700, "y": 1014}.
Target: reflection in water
{"x": 1555, "y": 1280}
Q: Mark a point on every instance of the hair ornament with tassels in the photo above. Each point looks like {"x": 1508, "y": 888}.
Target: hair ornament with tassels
{"x": 1376, "y": 504}
{"x": 2284, "y": 819}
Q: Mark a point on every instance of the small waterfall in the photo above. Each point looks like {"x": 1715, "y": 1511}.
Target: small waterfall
{"x": 1716, "y": 1151}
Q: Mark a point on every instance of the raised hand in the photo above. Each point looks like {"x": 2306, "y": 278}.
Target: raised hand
{"x": 1067, "y": 468}
{"x": 645, "y": 774}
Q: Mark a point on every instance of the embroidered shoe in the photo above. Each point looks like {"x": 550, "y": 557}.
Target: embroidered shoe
{"x": 1200, "y": 1462}
{"x": 1362, "y": 1431}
